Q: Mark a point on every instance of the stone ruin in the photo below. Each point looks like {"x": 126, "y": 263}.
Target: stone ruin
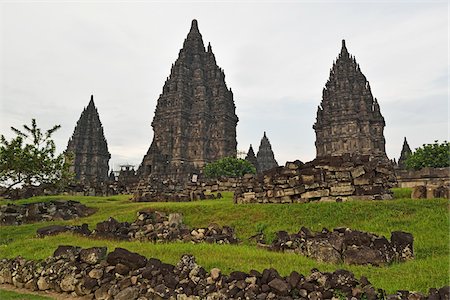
{"x": 125, "y": 275}
{"x": 333, "y": 178}
{"x": 12, "y": 214}
{"x": 405, "y": 153}
{"x": 89, "y": 149}
{"x": 251, "y": 158}
{"x": 158, "y": 190}
{"x": 150, "y": 226}
{"x": 195, "y": 120}
{"x": 344, "y": 245}
{"x": 349, "y": 120}
{"x": 265, "y": 157}
{"x": 430, "y": 192}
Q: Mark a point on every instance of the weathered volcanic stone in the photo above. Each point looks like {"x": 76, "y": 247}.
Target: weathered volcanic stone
{"x": 345, "y": 245}
{"x": 130, "y": 259}
{"x": 251, "y": 157}
{"x": 349, "y": 120}
{"x": 265, "y": 156}
{"x": 89, "y": 148}
{"x": 195, "y": 120}
{"x": 406, "y": 152}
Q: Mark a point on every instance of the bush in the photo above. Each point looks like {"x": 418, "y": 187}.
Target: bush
{"x": 30, "y": 160}
{"x": 228, "y": 167}
{"x": 430, "y": 155}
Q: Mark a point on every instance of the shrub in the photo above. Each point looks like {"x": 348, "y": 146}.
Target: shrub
{"x": 228, "y": 167}
{"x": 434, "y": 155}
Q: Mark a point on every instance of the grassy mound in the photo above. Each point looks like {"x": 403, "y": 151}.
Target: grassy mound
{"x": 427, "y": 220}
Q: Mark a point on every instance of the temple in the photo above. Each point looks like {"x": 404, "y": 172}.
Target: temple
{"x": 195, "y": 120}
{"x": 251, "y": 157}
{"x": 89, "y": 149}
{"x": 349, "y": 120}
{"x": 265, "y": 156}
{"x": 406, "y": 152}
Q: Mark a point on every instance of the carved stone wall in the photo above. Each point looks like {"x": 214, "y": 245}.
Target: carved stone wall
{"x": 89, "y": 148}
{"x": 195, "y": 120}
{"x": 348, "y": 118}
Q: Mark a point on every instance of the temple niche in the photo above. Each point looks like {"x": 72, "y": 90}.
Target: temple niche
{"x": 195, "y": 120}
{"x": 89, "y": 149}
{"x": 349, "y": 120}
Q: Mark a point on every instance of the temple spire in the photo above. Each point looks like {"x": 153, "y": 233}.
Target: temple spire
{"x": 344, "y": 51}
{"x": 265, "y": 156}
{"x": 348, "y": 120}
{"x": 406, "y": 152}
{"x": 195, "y": 119}
{"x": 89, "y": 148}
{"x": 251, "y": 157}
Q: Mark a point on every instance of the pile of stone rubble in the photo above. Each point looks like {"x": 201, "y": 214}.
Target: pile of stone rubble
{"x": 12, "y": 214}
{"x": 150, "y": 226}
{"x": 124, "y": 275}
{"x": 344, "y": 245}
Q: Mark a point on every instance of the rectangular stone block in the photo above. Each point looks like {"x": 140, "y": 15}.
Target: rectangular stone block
{"x": 278, "y": 193}
{"x": 289, "y": 192}
{"x": 308, "y": 179}
{"x": 361, "y": 181}
{"x": 316, "y": 194}
{"x": 358, "y": 171}
{"x": 344, "y": 190}
{"x": 249, "y": 195}
{"x": 342, "y": 176}
{"x": 285, "y": 199}
{"x": 299, "y": 190}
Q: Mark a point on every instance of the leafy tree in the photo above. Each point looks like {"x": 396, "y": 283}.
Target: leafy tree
{"x": 228, "y": 167}
{"x": 434, "y": 155}
{"x": 29, "y": 159}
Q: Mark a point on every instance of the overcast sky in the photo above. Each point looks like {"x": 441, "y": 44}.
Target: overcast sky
{"x": 276, "y": 58}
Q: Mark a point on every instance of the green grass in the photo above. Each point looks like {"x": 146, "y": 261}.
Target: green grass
{"x": 400, "y": 193}
{"x": 7, "y": 295}
{"x": 427, "y": 220}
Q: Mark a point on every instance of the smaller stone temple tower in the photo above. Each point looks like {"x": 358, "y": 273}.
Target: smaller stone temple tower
{"x": 89, "y": 148}
{"x": 349, "y": 120}
{"x": 406, "y": 151}
{"x": 265, "y": 156}
{"x": 251, "y": 157}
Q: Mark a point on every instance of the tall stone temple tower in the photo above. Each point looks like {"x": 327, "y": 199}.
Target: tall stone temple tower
{"x": 349, "y": 120}
{"x": 89, "y": 148}
{"x": 195, "y": 120}
{"x": 406, "y": 151}
{"x": 251, "y": 157}
{"x": 265, "y": 156}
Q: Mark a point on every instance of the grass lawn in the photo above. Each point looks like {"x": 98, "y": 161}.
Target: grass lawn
{"x": 7, "y": 295}
{"x": 427, "y": 220}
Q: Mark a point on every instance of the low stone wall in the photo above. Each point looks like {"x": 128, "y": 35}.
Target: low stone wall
{"x": 425, "y": 176}
{"x": 159, "y": 190}
{"x": 149, "y": 227}
{"x": 12, "y": 214}
{"x": 430, "y": 191}
{"x": 124, "y": 275}
{"x": 323, "y": 179}
{"x": 343, "y": 245}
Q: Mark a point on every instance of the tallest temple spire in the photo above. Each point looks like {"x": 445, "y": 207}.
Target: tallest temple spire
{"x": 195, "y": 120}
{"x": 349, "y": 120}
